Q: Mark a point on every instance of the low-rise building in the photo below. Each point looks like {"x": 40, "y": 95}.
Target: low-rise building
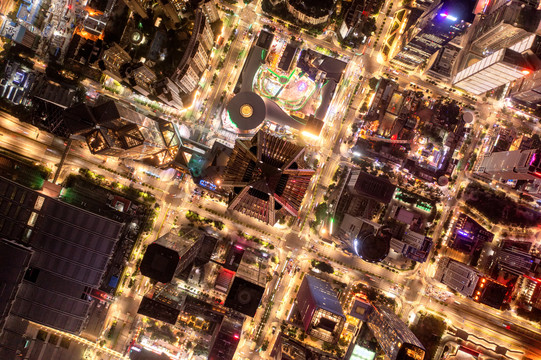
{"x": 458, "y": 276}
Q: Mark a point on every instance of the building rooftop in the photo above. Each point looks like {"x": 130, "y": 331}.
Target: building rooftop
{"x": 324, "y": 295}
{"x": 374, "y": 187}
{"x": 267, "y": 176}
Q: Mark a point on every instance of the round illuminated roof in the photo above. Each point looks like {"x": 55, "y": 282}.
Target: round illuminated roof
{"x": 246, "y": 110}
{"x": 136, "y": 37}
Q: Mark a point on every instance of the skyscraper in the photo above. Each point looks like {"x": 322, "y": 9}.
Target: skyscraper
{"x": 170, "y": 255}
{"x": 321, "y": 312}
{"x": 504, "y": 25}
{"x": 267, "y": 176}
{"x": 393, "y": 335}
{"x": 438, "y": 25}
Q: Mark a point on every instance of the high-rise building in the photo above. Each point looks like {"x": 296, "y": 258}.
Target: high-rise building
{"x": 172, "y": 10}
{"x": 438, "y": 25}
{"x": 141, "y": 77}
{"x": 138, "y": 6}
{"x": 364, "y": 194}
{"x": 225, "y": 340}
{"x": 168, "y": 92}
{"x": 393, "y": 335}
{"x": 532, "y": 292}
{"x": 518, "y": 164}
{"x": 320, "y": 309}
{"x": 497, "y": 69}
{"x": 196, "y": 56}
{"x": 515, "y": 258}
{"x": 268, "y": 177}
{"x": 505, "y": 24}
{"x": 413, "y": 246}
{"x": 171, "y": 254}
{"x": 468, "y": 236}
{"x": 372, "y": 247}
{"x": 65, "y": 255}
{"x": 527, "y": 90}
{"x": 120, "y": 131}
{"x": 310, "y": 11}
{"x": 458, "y": 276}
{"x": 114, "y": 58}
{"x": 187, "y": 79}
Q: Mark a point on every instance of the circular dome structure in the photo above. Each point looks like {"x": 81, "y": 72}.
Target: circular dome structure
{"x": 247, "y": 111}
{"x": 443, "y": 180}
{"x": 136, "y": 37}
{"x": 468, "y": 117}
{"x": 372, "y": 247}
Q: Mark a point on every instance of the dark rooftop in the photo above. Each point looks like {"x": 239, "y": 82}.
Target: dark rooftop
{"x": 159, "y": 263}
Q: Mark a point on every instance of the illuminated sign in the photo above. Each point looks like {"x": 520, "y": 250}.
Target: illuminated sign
{"x": 448, "y": 17}
{"x": 207, "y": 184}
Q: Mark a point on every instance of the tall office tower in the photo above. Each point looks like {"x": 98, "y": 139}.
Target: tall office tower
{"x": 393, "y": 335}
{"x": 504, "y": 26}
{"x": 364, "y": 194}
{"x": 112, "y": 129}
{"x": 141, "y": 77}
{"x": 458, "y": 276}
{"x": 516, "y": 261}
{"x": 321, "y": 312}
{"x": 64, "y": 255}
{"x": 114, "y": 58}
{"x": 171, "y": 254}
{"x": 518, "y": 164}
{"x": 168, "y": 92}
{"x": 189, "y": 69}
{"x": 138, "y": 6}
{"x": 226, "y": 339}
{"x": 442, "y": 22}
{"x": 268, "y": 177}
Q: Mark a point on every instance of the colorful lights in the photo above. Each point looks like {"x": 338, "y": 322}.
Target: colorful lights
{"x": 526, "y": 72}
{"x": 449, "y": 17}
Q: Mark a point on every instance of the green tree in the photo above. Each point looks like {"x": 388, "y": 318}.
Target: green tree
{"x": 373, "y": 82}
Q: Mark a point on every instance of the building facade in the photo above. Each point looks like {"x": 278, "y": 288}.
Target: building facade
{"x": 211, "y": 10}
{"x": 195, "y": 59}
{"x": 433, "y": 30}
{"x": 393, "y": 335}
{"x": 310, "y": 11}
